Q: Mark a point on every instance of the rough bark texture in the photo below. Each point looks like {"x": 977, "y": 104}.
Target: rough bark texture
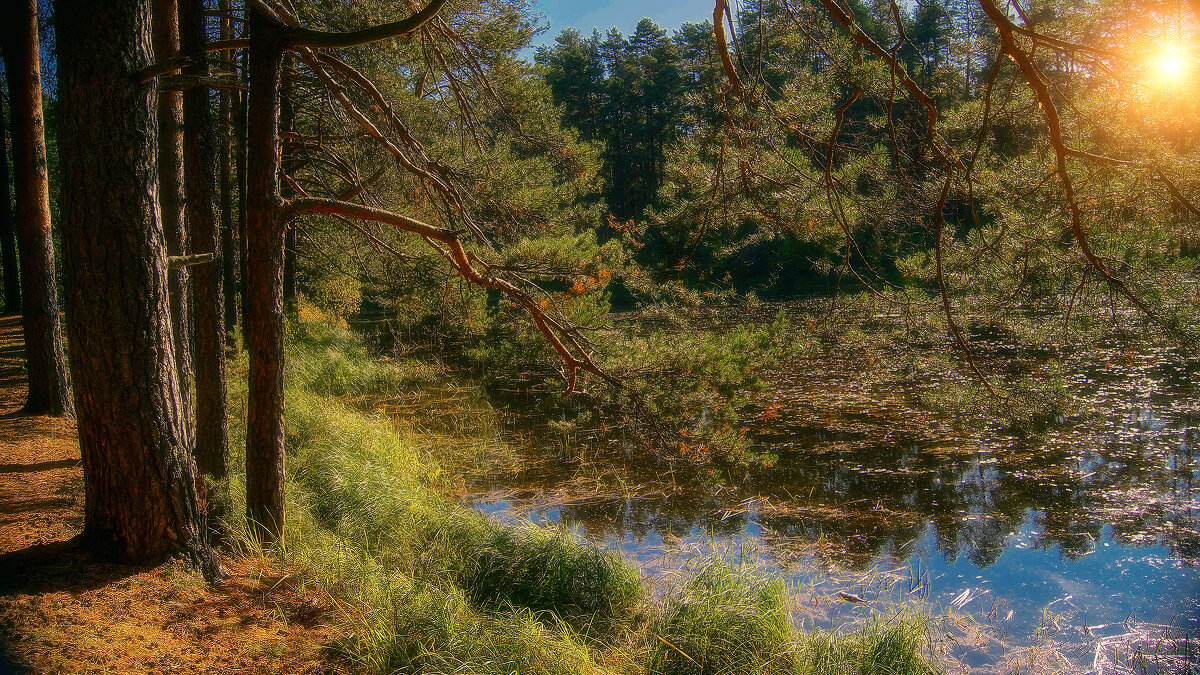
{"x": 241, "y": 148}
{"x": 139, "y": 478}
{"x": 228, "y": 240}
{"x": 199, "y": 153}
{"x": 8, "y": 232}
{"x": 287, "y": 123}
{"x": 49, "y": 384}
{"x": 171, "y": 197}
{"x": 264, "y": 285}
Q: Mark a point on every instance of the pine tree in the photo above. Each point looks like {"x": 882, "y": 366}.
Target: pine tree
{"x": 139, "y": 477}
{"x": 49, "y": 383}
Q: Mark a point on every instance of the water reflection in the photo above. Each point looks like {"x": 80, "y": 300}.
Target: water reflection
{"x": 860, "y": 464}
{"x": 1099, "y": 507}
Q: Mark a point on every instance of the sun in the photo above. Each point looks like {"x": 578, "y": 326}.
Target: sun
{"x": 1171, "y": 64}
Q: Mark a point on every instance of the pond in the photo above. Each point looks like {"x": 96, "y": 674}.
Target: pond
{"x": 1083, "y": 536}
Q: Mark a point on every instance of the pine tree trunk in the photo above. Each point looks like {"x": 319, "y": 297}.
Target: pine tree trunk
{"x": 242, "y": 147}
{"x": 228, "y": 218}
{"x": 263, "y": 317}
{"x": 287, "y": 123}
{"x": 8, "y": 232}
{"x": 49, "y": 383}
{"x": 199, "y": 154}
{"x": 139, "y": 477}
{"x": 171, "y": 198}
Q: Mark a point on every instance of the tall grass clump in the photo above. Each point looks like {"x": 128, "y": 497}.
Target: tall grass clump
{"x": 895, "y": 644}
{"x": 432, "y": 629}
{"x": 723, "y": 621}
{"x": 545, "y": 569}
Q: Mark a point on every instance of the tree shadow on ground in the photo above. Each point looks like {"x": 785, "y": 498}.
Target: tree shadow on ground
{"x": 40, "y": 466}
{"x": 59, "y": 566}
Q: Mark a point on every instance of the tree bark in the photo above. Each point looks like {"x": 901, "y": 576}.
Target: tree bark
{"x": 263, "y": 312}
{"x": 287, "y": 123}
{"x": 199, "y": 154}
{"x": 228, "y": 241}
{"x": 171, "y": 198}
{"x": 8, "y": 232}
{"x": 242, "y": 148}
{"x": 139, "y": 478}
{"x": 49, "y": 383}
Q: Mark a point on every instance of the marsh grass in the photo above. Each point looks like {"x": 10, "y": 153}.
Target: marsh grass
{"x": 723, "y": 620}
{"x": 881, "y": 644}
{"x": 540, "y": 568}
{"x": 422, "y": 585}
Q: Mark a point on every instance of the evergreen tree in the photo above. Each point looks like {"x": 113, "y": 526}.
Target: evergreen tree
{"x": 8, "y": 231}
{"x": 139, "y": 477}
{"x": 575, "y": 74}
{"x": 49, "y": 381}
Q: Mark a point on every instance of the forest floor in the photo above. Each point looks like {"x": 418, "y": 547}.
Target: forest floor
{"x": 62, "y": 612}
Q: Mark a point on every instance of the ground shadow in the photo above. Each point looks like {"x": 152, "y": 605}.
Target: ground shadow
{"x": 40, "y": 466}
{"x": 58, "y": 566}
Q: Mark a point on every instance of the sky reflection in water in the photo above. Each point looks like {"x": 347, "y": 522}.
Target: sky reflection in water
{"x": 1075, "y": 530}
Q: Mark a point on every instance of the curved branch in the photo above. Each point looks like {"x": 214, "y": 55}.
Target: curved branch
{"x": 720, "y": 12}
{"x": 561, "y": 336}
{"x": 304, "y": 37}
{"x": 300, "y": 205}
{"x": 1037, "y": 82}
{"x": 846, "y": 20}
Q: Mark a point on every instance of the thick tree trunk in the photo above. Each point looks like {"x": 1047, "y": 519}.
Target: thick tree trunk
{"x": 49, "y": 384}
{"x": 263, "y": 317}
{"x": 199, "y": 154}
{"x": 8, "y": 232}
{"x": 139, "y": 478}
{"x": 171, "y": 198}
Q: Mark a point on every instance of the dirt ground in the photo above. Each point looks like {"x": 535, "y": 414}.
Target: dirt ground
{"x": 63, "y": 612}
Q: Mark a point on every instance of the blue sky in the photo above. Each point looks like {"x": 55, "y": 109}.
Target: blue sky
{"x": 624, "y": 14}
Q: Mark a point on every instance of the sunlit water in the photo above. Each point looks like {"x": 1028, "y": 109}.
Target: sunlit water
{"x": 1084, "y": 535}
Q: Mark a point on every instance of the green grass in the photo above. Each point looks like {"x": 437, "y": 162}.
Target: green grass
{"x": 723, "y": 620}
{"x": 882, "y": 645}
{"x": 424, "y": 585}
{"x": 539, "y": 568}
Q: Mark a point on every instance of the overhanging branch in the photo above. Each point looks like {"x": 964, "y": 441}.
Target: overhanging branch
{"x": 304, "y": 37}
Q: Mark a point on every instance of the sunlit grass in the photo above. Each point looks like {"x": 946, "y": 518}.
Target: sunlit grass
{"x": 422, "y": 585}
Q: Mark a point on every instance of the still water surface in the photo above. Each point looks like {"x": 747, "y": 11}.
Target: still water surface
{"x": 1085, "y": 531}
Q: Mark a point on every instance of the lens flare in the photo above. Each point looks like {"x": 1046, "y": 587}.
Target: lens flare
{"x": 1171, "y": 64}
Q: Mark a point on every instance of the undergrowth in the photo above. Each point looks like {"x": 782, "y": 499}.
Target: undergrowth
{"x": 423, "y": 585}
